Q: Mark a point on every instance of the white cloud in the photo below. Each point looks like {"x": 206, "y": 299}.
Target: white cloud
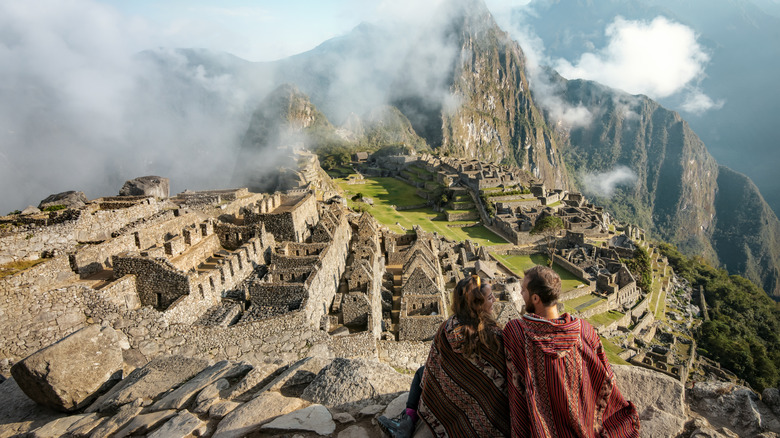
{"x": 696, "y": 102}
{"x": 79, "y": 110}
{"x": 658, "y": 58}
{"x": 604, "y": 184}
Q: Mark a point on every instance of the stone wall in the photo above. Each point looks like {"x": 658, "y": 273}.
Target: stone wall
{"x": 100, "y": 224}
{"x": 47, "y": 275}
{"x": 601, "y": 308}
{"x": 92, "y": 259}
{"x": 30, "y": 243}
{"x": 643, "y": 322}
{"x": 573, "y": 269}
{"x": 158, "y": 283}
{"x": 289, "y": 222}
{"x": 576, "y": 293}
{"x": 51, "y": 315}
{"x": 90, "y": 224}
{"x": 641, "y": 307}
{"x": 287, "y": 296}
{"x": 196, "y": 254}
{"x": 209, "y": 286}
{"x": 156, "y": 233}
{"x": 356, "y": 308}
{"x": 416, "y": 328}
{"x": 470, "y": 215}
{"x": 322, "y": 286}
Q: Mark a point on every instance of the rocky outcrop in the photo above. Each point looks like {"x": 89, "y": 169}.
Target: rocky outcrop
{"x": 69, "y": 374}
{"x": 658, "y": 398}
{"x": 156, "y": 186}
{"x": 70, "y": 199}
{"x": 341, "y": 397}
{"x": 214, "y": 401}
{"x": 734, "y": 408}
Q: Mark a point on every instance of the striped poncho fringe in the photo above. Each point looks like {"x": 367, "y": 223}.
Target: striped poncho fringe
{"x": 463, "y": 397}
{"x": 560, "y": 382}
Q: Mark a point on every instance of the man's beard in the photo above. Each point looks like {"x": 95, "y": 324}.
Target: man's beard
{"x": 529, "y": 308}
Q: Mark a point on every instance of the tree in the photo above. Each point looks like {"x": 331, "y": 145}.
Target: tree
{"x": 548, "y": 226}
{"x": 641, "y": 268}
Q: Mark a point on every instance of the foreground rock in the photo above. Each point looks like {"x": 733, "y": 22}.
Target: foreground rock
{"x": 70, "y": 199}
{"x": 149, "y": 382}
{"x": 251, "y": 415}
{"x": 18, "y": 413}
{"x": 358, "y": 380}
{"x": 178, "y": 396}
{"x": 69, "y": 374}
{"x": 658, "y": 398}
{"x": 156, "y": 186}
{"x": 734, "y": 408}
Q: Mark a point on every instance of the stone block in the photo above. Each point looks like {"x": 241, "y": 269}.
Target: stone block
{"x": 251, "y": 415}
{"x": 149, "y": 382}
{"x": 144, "y": 423}
{"x": 184, "y": 394}
{"x": 180, "y": 426}
{"x": 315, "y": 418}
{"x": 69, "y": 374}
{"x": 357, "y": 380}
{"x": 146, "y": 186}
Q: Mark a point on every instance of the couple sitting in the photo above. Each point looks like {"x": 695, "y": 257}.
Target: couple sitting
{"x": 544, "y": 375}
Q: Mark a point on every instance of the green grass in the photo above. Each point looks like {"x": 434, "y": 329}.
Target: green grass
{"x": 612, "y": 352}
{"x": 658, "y": 297}
{"x": 575, "y": 305}
{"x": 555, "y": 204}
{"x": 518, "y": 264}
{"x": 605, "y": 318}
{"x": 390, "y": 191}
{"x": 341, "y": 172}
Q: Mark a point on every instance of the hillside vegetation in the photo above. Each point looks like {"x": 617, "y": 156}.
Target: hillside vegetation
{"x": 743, "y": 332}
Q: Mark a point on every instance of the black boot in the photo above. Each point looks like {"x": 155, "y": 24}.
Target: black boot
{"x": 401, "y": 427}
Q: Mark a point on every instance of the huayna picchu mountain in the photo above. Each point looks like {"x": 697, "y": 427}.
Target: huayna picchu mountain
{"x": 462, "y": 84}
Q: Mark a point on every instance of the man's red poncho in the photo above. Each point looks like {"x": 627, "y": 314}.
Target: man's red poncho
{"x": 560, "y": 382}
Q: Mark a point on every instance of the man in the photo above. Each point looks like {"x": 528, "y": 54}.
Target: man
{"x": 560, "y": 382}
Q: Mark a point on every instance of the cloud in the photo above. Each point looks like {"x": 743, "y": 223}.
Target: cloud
{"x": 696, "y": 102}
{"x": 657, "y": 58}
{"x": 604, "y": 184}
{"x": 81, "y": 110}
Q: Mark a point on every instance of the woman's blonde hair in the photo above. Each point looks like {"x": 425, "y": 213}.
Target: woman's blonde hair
{"x": 480, "y": 326}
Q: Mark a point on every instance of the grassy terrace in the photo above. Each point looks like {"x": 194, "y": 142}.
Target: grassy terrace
{"x": 582, "y": 303}
{"x": 612, "y": 352}
{"x": 518, "y": 264}
{"x": 658, "y": 298}
{"x": 390, "y": 191}
{"x": 605, "y": 318}
{"x": 463, "y": 204}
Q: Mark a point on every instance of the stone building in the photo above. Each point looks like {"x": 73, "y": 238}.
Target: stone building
{"x": 361, "y": 305}
{"x": 290, "y": 217}
{"x": 423, "y": 300}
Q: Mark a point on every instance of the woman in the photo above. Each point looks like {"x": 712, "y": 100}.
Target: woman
{"x": 464, "y": 391}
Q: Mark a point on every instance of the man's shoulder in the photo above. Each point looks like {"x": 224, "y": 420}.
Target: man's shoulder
{"x": 588, "y": 333}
